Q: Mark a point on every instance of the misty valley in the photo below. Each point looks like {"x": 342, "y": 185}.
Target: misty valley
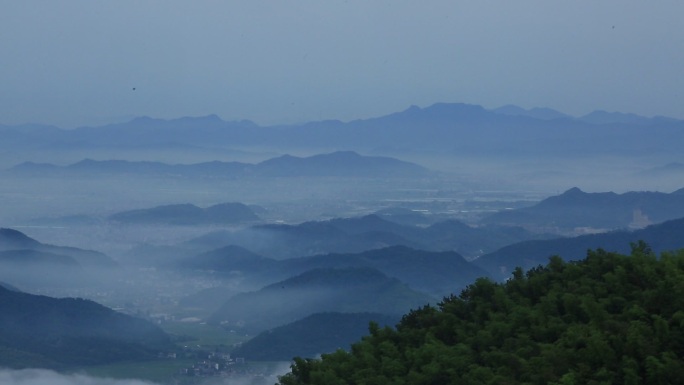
{"x": 195, "y": 249}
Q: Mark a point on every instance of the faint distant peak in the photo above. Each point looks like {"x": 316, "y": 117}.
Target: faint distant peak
{"x": 284, "y": 157}
{"x": 573, "y": 191}
{"x": 88, "y": 162}
{"x": 13, "y": 234}
{"x": 212, "y": 118}
{"x": 572, "y": 195}
{"x": 542, "y": 113}
{"x": 510, "y": 109}
{"x": 440, "y": 112}
{"x": 34, "y": 166}
{"x": 605, "y": 117}
{"x": 455, "y": 108}
{"x": 15, "y": 239}
{"x": 341, "y": 155}
{"x": 672, "y": 167}
{"x": 144, "y": 119}
{"x": 678, "y": 192}
{"x": 442, "y": 108}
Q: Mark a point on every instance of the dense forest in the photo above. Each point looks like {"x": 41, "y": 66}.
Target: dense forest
{"x": 609, "y": 318}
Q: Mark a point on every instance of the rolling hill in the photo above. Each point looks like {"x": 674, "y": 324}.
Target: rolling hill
{"x": 353, "y": 235}
{"x": 39, "y": 331}
{"x": 575, "y": 208}
{"x": 436, "y": 273}
{"x": 661, "y": 237}
{"x": 188, "y": 214}
{"x": 11, "y": 239}
{"x": 335, "y": 164}
{"x": 229, "y": 260}
{"x": 443, "y": 127}
{"x": 350, "y": 290}
{"x": 311, "y": 336}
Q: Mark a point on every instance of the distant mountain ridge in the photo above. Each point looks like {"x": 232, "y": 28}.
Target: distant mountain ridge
{"x": 339, "y": 164}
{"x": 436, "y": 273}
{"x": 346, "y": 290}
{"x": 350, "y": 235}
{"x": 469, "y": 129}
{"x": 13, "y": 240}
{"x": 188, "y": 214}
{"x": 661, "y": 237}
{"x": 537, "y": 113}
{"x": 33, "y": 265}
{"x": 607, "y": 210}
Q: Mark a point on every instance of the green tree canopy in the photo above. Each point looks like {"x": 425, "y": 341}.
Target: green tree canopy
{"x": 607, "y": 319}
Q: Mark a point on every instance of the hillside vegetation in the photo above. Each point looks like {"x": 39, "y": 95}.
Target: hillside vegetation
{"x": 609, "y": 318}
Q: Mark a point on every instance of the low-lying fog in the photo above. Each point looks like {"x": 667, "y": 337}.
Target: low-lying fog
{"x": 49, "y": 377}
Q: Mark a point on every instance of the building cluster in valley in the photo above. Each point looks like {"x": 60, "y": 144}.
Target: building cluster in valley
{"x": 218, "y": 365}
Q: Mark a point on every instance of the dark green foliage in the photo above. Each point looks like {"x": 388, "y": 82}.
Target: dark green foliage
{"x": 609, "y": 318}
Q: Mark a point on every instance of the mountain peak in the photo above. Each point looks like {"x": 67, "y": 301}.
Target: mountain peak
{"x": 605, "y": 117}
{"x": 211, "y": 118}
{"x": 14, "y": 238}
{"x": 573, "y": 191}
{"x": 542, "y": 113}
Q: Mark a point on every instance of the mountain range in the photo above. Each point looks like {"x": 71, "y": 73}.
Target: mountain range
{"x": 436, "y": 273}
{"x": 12, "y": 241}
{"x": 345, "y": 290}
{"x": 528, "y": 254}
{"x": 28, "y": 263}
{"x": 336, "y": 164}
{"x": 463, "y": 128}
{"x": 188, "y": 214}
{"x": 357, "y": 234}
{"x": 607, "y": 210}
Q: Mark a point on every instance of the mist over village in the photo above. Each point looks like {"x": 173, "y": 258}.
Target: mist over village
{"x": 341, "y": 193}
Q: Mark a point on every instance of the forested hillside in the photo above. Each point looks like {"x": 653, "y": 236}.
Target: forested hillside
{"x": 609, "y": 318}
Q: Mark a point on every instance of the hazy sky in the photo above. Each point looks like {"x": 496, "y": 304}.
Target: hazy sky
{"x": 76, "y": 62}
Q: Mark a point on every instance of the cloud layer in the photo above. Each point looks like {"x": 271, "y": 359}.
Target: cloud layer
{"x": 48, "y": 377}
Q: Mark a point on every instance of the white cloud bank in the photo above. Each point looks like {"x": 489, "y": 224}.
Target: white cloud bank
{"x": 48, "y": 377}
